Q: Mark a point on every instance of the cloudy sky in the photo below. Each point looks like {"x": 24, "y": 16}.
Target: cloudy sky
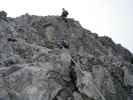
{"x": 113, "y": 18}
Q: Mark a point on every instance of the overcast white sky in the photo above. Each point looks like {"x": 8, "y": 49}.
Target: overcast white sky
{"x": 113, "y": 18}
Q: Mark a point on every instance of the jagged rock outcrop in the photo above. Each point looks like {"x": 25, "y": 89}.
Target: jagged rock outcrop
{"x": 47, "y": 58}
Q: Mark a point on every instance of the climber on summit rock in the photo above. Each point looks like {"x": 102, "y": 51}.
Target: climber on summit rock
{"x": 3, "y": 15}
{"x": 64, "y": 13}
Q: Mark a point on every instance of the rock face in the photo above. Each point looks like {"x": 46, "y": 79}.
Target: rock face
{"x": 47, "y": 58}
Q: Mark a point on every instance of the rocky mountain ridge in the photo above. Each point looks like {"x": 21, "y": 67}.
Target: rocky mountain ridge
{"x": 47, "y": 58}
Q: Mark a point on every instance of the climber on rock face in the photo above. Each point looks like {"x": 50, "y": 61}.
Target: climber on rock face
{"x": 65, "y": 44}
{"x": 11, "y": 40}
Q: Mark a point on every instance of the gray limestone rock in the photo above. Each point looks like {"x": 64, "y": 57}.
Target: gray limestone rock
{"x": 46, "y": 58}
